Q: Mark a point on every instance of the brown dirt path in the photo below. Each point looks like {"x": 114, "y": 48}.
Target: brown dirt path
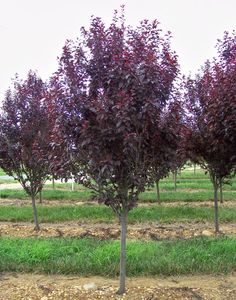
{"x": 144, "y": 231}
{"x": 55, "y": 287}
{"x": 22, "y": 202}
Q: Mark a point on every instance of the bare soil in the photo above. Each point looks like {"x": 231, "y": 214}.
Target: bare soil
{"x": 45, "y": 287}
{"x": 143, "y": 231}
{"x": 22, "y": 202}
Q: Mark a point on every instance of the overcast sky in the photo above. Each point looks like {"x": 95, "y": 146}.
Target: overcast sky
{"x": 33, "y": 32}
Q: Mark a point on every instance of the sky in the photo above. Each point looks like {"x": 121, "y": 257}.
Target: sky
{"x": 33, "y": 32}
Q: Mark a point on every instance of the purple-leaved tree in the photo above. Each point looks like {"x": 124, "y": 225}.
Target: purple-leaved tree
{"x": 107, "y": 97}
{"x": 212, "y": 106}
{"x": 167, "y": 159}
{"x": 25, "y": 136}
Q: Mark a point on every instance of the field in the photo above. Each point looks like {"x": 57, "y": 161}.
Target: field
{"x": 172, "y": 250}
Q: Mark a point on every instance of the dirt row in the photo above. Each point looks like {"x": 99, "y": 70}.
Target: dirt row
{"x": 104, "y": 231}
{"x": 23, "y": 202}
{"x": 54, "y": 287}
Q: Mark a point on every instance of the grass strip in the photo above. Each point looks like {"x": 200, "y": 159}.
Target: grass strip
{"x": 47, "y": 194}
{"x": 189, "y": 174}
{"x": 164, "y": 184}
{"x": 149, "y": 195}
{"x": 186, "y": 196}
{"x": 94, "y": 257}
{"x": 161, "y": 214}
{"x": 194, "y": 185}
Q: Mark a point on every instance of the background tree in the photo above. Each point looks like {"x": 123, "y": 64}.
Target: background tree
{"x": 24, "y": 136}
{"x": 212, "y": 104}
{"x": 108, "y": 94}
{"x": 167, "y": 159}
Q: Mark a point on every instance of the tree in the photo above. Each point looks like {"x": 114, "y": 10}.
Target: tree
{"x": 212, "y": 104}
{"x": 225, "y": 90}
{"x": 107, "y": 96}
{"x": 167, "y": 159}
{"x": 25, "y": 136}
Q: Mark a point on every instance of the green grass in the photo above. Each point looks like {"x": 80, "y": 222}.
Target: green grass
{"x": 94, "y": 257}
{"x": 186, "y": 196}
{"x": 149, "y": 195}
{"x": 167, "y": 214}
{"x": 189, "y": 174}
{"x": 190, "y": 187}
{"x": 2, "y": 173}
{"x": 82, "y": 194}
{"x": 160, "y": 214}
{"x": 65, "y": 186}
{"x": 194, "y": 184}
{"x": 57, "y": 213}
{"x": 5, "y": 181}
{"x": 48, "y": 194}
{"x": 13, "y": 194}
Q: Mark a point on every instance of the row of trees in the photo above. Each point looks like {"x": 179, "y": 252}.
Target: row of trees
{"x": 113, "y": 117}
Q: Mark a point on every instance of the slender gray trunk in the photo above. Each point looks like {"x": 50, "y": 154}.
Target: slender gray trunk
{"x": 216, "y": 218}
{"x": 53, "y": 183}
{"x": 40, "y": 197}
{"x": 123, "y": 220}
{"x": 194, "y": 169}
{"x": 36, "y": 222}
{"x": 158, "y": 192}
{"x": 221, "y": 193}
{"x": 175, "y": 179}
{"x": 73, "y": 185}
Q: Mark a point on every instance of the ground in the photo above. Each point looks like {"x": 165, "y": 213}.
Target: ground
{"x": 144, "y": 231}
{"x": 54, "y": 287}
{"x": 44, "y": 287}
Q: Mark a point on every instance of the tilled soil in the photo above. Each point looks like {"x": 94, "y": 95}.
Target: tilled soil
{"x": 54, "y": 287}
{"x": 144, "y": 231}
{"x": 23, "y": 202}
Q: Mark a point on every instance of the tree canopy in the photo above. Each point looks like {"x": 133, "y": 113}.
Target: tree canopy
{"x": 110, "y": 95}
{"x": 212, "y": 106}
{"x": 25, "y": 135}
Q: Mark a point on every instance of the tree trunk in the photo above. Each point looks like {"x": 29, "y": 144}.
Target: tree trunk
{"x": 221, "y": 193}
{"x": 72, "y": 185}
{"x": 123, "y": 220}
{"x": 40, "y": 197}
{"x": 216, "y": 218}
{"x": 53, "y": 183}
{"x": 36, "y": 222}
{"x": 194, "y": 169}
{"x": 158, "y": 192}
{"x": 175, "y": 179}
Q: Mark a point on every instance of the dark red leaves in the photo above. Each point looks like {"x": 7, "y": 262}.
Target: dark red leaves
{"x": 25, "y": 133}
{"x": 111, "y": 92}
{"x": 212, "y": 103}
